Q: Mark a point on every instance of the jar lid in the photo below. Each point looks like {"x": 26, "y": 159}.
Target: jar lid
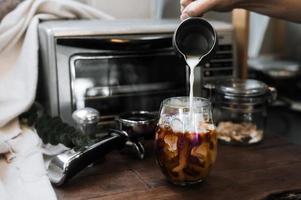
{"x": 242, "y": 88}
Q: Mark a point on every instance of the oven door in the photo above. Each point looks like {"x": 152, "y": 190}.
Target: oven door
{"x": 126, "y": 82}
{"x": 117, "y": 74}
{"x": 137, "y": 78}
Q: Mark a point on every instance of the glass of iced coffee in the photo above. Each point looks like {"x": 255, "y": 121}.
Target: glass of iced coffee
{"x": 186, "y": 143}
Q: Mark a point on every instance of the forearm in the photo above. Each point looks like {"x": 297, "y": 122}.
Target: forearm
{"x": 285, "y": 9}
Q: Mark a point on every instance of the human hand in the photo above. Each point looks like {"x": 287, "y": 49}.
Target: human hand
{"x": 193, "y": 8}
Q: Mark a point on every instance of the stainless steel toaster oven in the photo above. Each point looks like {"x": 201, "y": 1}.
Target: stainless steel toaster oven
{"x": 119, "y": 66}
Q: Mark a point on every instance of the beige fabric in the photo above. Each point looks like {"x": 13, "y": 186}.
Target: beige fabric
{"x": 22, "y": 173}
{"x": 24, "y": 176}
{"x": 6, "y": 6}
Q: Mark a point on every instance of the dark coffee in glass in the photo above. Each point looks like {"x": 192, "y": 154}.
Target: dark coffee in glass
{"x": 186, "y": 143}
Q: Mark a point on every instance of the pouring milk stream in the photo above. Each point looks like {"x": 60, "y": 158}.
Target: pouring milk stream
{"x": 192, "y": 61}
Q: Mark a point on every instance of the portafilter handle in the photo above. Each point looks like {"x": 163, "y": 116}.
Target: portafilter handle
{"x": 69, "y": 163}
{"x": 136, "y": 147}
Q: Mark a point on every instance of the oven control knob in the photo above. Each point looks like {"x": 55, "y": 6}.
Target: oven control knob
{"x": 86, "y": 120}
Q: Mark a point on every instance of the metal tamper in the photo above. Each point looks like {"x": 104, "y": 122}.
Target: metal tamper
{"x": 86, "y": 120}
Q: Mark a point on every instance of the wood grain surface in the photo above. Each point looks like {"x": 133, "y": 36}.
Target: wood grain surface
{"x": 240, "y": 173}
{"x": 240, "y": 21}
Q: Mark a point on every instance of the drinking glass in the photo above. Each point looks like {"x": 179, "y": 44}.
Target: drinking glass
{"x": 185, "y": 143}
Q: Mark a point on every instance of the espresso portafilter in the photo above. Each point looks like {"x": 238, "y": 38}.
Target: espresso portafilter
{"x": 132, "y": 127}
{"x": 64, "y": 166}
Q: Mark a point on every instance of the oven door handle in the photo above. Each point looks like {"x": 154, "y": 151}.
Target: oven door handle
{"x": 141, "y": 39}
{"x": 131, "y": 42}
{"x": 127, "y": 89}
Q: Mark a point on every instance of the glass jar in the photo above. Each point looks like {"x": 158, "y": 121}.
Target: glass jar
{"x": 240, "y": 110}
{"x": 186, "y": 142}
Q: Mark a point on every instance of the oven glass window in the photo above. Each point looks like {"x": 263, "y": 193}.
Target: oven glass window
{"x": 115, "y": 84}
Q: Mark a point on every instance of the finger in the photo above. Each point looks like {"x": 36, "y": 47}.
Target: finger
{"x": 184, "y": 16}
{"x": 197, "y": 8}
{"x": 182, "y": 8}
{"x": 185, "y": 3}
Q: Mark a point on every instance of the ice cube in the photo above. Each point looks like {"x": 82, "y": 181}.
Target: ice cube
{"x": 176, "y": 102}
{"x": 177, "y": 125}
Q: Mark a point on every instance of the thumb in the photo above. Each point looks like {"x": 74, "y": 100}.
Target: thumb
{"x": 197, "y": 8}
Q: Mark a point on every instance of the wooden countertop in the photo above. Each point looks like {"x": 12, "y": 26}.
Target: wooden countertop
{"x": 240, "y": 173}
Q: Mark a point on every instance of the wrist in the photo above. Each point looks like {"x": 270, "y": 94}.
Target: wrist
{"x": 245, "y": 4}
{"x": 257, "y": 5}
{"x": 239, "y": 3}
